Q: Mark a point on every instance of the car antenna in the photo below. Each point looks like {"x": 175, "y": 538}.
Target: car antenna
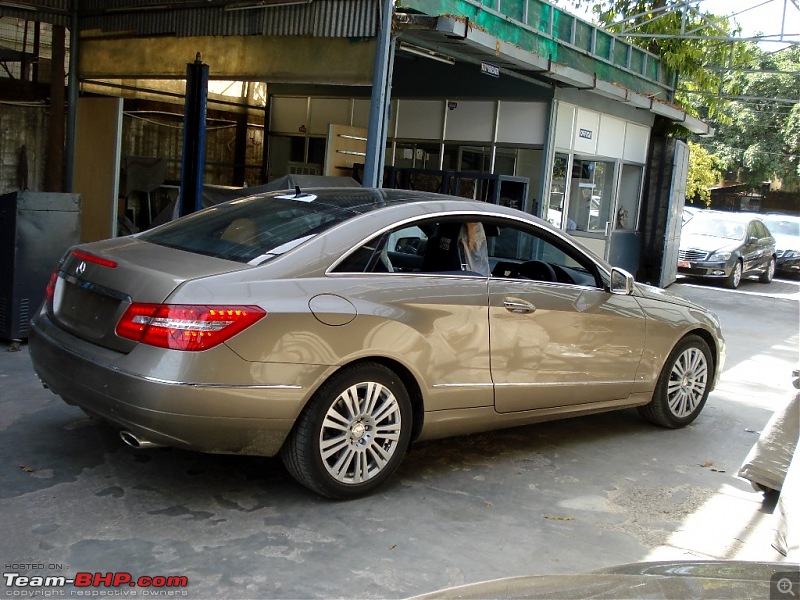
{"x": 297, "y": 192}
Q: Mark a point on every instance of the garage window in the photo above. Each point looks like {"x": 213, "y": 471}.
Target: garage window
{"x": 591, "y": 195}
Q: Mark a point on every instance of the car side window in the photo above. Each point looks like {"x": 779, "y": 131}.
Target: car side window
{"x": 761, "y": 230}
{"x": 448, "y": 246}
{"x": 516, "y": 252}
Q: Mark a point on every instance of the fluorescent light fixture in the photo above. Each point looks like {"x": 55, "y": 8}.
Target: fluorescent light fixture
{"x": 425, "y": 53}
{"x": 264, "y": 4}
{"x": 18, "y": 6}
{"x": 347, "y": 136}
{"x": 351, "y": 152}
{"x": 145, "y": 8}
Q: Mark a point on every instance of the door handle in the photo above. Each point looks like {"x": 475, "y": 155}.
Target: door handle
{"x": 520, "y": 307}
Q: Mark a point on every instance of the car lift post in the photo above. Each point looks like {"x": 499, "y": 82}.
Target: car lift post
{"x": 380, "y": 100}
{"x": 194, "y": 137}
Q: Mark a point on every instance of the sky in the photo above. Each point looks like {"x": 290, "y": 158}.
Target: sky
{"x": 758, "y": 16}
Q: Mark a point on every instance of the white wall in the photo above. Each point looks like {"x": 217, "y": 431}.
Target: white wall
{"x": 591, "y": 133}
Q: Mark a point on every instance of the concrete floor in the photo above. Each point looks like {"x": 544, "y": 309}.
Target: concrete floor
{"x": 554, "y": 498}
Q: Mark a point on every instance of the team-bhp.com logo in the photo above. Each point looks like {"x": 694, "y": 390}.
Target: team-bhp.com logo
{"x": 157, "y": 585}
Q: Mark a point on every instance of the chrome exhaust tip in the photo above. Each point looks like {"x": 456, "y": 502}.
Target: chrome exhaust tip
{"x": 134, "y": 441}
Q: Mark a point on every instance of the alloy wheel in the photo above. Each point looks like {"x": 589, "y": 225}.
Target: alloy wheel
{"x": 360, "y": 432}
{"x": 688, "y": 380}
{"x": 736, "y": 275}
{"x": 769, "y": 274}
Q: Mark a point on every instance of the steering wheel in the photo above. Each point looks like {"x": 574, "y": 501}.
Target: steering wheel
{"x": 538, "y": 270}
{"x": 562, "y": 275}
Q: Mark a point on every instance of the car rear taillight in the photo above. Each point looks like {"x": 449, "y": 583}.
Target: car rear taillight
{"x": 91, "y": 258}
{"x": 50, "y": 291}
{"x": 185, "y": 326}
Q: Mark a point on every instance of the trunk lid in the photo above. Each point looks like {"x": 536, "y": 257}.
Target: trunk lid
{"x": 93, "y": 291}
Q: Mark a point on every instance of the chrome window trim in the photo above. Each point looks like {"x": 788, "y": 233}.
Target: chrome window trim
{"x": 604, "y": 273}
{"x": 238, "y": 386}
{"x": 561, "y": 383}
{"x": 448, "y": 275}
{"x": 94, "y": 287}
{"x": 530, "y": 384}
{"x": 437, "y": 386}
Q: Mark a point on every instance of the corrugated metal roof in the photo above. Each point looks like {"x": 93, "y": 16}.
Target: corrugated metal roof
{"x": 56, "y": 12}
{"x": 320, "y": 18}
{"x": 179, "y": 22}
{"x": 184, "y": 18}
{"x": 338, "y": 19}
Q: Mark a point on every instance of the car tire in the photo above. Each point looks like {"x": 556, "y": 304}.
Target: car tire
{"x": 766, "y": 276}
{"x": 735, "y": 278}
{"x": 683, "y": 385}
{"x": 353, "y": 433}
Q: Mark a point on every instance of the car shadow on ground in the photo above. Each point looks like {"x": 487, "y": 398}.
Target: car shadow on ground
{"x": 549, "y": 437}
{"x": 62, "y": 445}
{"x": 782, "y": 286}
{"x": 458, "y": 509}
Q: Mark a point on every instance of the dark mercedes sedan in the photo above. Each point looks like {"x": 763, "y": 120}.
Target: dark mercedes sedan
{"x": 786, "y": 230}
{"x": 726, "y": 247}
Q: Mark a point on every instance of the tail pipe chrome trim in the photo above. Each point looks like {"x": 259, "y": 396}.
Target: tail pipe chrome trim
{"x": 134, "y": 441}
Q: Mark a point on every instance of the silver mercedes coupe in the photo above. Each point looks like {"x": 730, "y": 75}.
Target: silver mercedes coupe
{"x": 336, "y": 326}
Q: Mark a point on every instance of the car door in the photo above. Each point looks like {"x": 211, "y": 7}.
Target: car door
{"x": 754, "y": 252}
{"x": 766, "y": 244}
{"x": 557, "y": 337}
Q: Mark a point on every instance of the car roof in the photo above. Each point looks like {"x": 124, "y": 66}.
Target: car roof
{"x": 368, "y": 200}
{"x": 355, "y": 199}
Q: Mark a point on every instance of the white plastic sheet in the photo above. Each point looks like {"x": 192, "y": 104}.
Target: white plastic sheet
{"x": 768, "y": 461}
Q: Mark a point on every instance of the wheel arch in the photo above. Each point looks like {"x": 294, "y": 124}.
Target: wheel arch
{"x": 409, "y": 381}
{"x": 666, "y": 400}
{"x": 711, "y": 341}
{"x": 412, "y": 386}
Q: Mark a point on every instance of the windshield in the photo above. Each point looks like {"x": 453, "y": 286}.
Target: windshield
{"x": 715, "y": 225}
{"x": 250, "y": 230}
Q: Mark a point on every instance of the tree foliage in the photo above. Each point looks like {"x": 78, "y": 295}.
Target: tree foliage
{"x": 689, "y": 41}
{"x": 703, "y": 174}
{"x": 749, "y": 96}
{"x": 758, "y": 139}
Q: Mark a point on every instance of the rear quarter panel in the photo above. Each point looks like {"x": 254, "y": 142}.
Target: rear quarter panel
{"x": 422, "y": 323}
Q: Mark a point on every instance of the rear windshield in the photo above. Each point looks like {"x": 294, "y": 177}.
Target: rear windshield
{"x": 251, "y": 230}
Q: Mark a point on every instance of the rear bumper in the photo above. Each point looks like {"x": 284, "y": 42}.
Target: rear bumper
{"x": 247, "y": 413}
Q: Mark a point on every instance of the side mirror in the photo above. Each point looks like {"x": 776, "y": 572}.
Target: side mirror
{"x": 621, "y": 282}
